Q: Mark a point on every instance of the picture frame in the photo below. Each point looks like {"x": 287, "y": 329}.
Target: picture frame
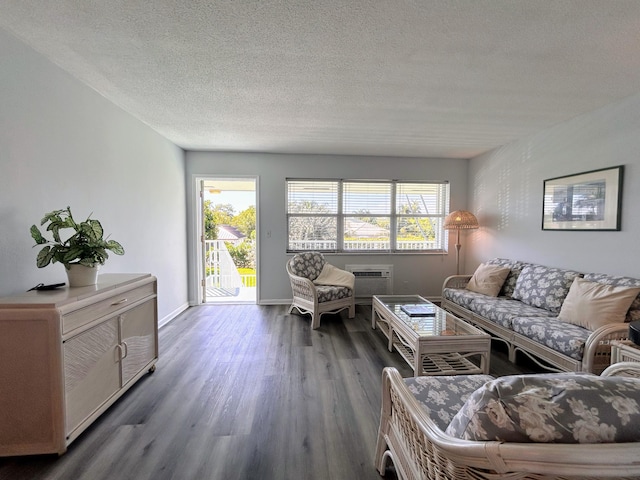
{"x": 584, "y": 201}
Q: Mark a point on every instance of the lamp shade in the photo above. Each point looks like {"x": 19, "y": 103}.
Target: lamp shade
{"x": 460, "y": 220}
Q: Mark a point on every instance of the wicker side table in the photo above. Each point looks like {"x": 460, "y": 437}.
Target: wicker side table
{"x": 624, "y": 351}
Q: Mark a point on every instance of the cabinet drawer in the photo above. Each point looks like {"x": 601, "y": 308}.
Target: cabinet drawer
{"x": 83, "y": 316}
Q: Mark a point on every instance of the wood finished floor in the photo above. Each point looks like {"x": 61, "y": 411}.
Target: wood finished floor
{"x": 242, "y": 392}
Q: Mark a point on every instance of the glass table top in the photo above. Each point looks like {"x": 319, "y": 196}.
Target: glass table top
{"x": 424, "y": 317}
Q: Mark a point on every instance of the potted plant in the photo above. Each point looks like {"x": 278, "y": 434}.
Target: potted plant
{"x": 82, "y": 253}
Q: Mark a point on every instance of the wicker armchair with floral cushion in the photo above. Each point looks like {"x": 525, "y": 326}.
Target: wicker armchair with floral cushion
{"x": 318, "y": 287}
{"x": 536, "y": 426}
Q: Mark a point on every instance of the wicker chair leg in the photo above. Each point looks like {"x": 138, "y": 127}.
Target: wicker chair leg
{"x": 315, "y": 320}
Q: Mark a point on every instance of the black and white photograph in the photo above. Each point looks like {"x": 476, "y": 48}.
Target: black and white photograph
{"x": 585, "y": 201}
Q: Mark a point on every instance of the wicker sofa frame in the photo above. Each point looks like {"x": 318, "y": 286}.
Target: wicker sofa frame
{"x": 421, "y": 451}
{"x": 597, "y": 351}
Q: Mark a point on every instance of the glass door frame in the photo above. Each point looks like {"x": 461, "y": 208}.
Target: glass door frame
{"x": 199, "y": 235}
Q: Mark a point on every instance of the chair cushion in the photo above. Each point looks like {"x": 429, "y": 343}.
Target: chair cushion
{"x": 544, "y": 287}
{"x": 307, "y": 264}
{"x": 330, "y": 293}
{"x": 488, "y": 279}
{"x": 558, "y": 408}
{"x": 443, "y": 396}
{"x": 593, "y": 305}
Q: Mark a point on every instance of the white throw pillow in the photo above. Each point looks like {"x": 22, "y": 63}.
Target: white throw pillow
{"x": 592, "y": 305}
{"x": 488, "y": 279}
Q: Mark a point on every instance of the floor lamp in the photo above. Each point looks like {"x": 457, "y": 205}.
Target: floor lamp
{"x": 460, "y": 220}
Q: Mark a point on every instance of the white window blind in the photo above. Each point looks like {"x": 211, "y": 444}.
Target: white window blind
{"x": 312, "y": 214}
{"x": 366, "y": 216}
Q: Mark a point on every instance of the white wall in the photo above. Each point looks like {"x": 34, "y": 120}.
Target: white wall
{"x": 413, "y": 273}
{"x": 61, "y": 143}
{"x": 507, "y": 188}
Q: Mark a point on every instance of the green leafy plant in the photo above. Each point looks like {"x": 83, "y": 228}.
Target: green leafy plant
{"x": 87, "y": 246}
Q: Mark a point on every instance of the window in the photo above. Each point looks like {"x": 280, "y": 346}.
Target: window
{"x": 366, "y": 216}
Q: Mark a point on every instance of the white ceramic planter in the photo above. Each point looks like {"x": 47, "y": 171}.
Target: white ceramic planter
{"x": 82, "y": 276}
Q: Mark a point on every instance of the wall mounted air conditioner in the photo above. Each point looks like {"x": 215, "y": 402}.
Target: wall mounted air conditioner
{"x": 372, "y": 280}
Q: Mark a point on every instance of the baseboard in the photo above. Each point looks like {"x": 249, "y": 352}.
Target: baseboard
{"x": 275, "y": 301}
{"x": 166, "y": 319}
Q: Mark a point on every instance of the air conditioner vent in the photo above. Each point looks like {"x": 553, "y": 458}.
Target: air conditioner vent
{"x": 370, "y": 274}
{"x": 372, "y": 280}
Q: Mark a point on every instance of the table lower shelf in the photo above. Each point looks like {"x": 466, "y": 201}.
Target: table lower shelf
{"x": 449, "y": 363}
{"x": 439, "y": 363}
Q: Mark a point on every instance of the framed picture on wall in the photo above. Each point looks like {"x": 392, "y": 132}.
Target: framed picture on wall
{"x": 584, "y": 201}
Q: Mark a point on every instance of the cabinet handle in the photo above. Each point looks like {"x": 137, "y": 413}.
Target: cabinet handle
{"x": 126, "y": 350}
{"x": 119, "y": 302}
{"x": 119, "y": 356}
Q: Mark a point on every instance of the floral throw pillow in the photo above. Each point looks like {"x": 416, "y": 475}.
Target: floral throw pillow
{"x": 552, "y": 408}
{"x": 544, "y": 287}
{"x": 307, "y": 264}
{"x": 515, "y": 268}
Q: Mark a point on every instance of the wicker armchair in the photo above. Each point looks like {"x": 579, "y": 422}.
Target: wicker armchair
{"x": 420, "y": 449}
{"x": 317, "y": 299}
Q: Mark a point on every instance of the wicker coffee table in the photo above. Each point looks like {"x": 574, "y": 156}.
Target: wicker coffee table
{"x": 438, "y": 344}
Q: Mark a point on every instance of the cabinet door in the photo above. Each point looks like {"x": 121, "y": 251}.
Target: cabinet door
{"x": 138, "y": 336}
{"x": 91, "y": 371}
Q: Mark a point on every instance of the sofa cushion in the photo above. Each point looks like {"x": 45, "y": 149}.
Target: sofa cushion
{"x": 634, "y": 311}
{"x": 592, "y": 305}
{"x": 559, "y": 408}
{"x": 544, "y": 287}
{"x": 502, "y": 310}
{"x": 560, "y": 336}
{"x": 443, "y": 396}
{"x": 461, "y": 296}
{"x": 488, "y": 279}
{"x": 515, "y": 268}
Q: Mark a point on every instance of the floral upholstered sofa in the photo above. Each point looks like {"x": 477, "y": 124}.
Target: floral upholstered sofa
{"x": 563, "y": 317}
{"x": 540, "y": 426}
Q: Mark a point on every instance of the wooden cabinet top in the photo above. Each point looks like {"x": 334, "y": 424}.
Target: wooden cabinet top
{"x": 65, "y": 295}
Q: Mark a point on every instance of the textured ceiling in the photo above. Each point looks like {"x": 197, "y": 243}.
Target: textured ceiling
{"x": 428, "y": 78}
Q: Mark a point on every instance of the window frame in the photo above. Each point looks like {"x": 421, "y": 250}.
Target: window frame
{"x": 441, "y": 235}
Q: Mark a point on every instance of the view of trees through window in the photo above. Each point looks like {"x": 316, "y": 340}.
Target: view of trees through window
{"x": 341, "y": 215}
{"x": 221, "y": 215}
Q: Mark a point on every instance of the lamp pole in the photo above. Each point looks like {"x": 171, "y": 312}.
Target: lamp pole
{"x": 458, "y": 246}
{"x": 458, "y": 220}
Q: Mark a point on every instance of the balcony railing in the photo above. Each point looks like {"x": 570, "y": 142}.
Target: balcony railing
{"x": 221, "y": 272}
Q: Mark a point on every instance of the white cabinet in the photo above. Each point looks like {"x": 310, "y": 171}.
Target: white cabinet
{"x": 66, "y": 355}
